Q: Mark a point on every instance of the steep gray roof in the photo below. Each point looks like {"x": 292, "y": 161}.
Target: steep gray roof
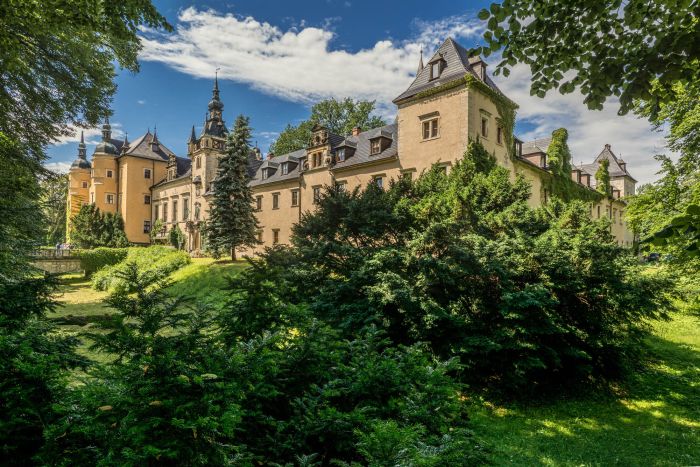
{"x": 142, "y": 147}
{"x": 615, "y": 169}
{"x": 362, "y": 145}
{"x": 538, "y": 145}
{"x": 275, "y": 165}
{"x": 457, "y": 64}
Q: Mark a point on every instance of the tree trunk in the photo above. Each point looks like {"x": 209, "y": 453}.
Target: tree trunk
{"x": 233, "y": 253}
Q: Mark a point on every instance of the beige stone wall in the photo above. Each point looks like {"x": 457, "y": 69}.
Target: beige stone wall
{"x": 102, "y": 185}
{"x": 77, "y": 194}
{"x": 174, "y": 196}
{"x": 533, "y": 175}
{"x": 133, "y": 188}
{"x": 451, "y": 109}
{"x": 280, "y": 219}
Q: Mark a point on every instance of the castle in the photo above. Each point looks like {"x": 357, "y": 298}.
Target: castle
{"x": 451, "y": 100}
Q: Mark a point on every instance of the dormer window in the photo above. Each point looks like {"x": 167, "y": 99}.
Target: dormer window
{"x": 436, "y": 68}
{"x": 340, "y": 154}
{"x": 264, "y": 174}
{"x": 375, "y": 146}
{"x": 285, "y": 168}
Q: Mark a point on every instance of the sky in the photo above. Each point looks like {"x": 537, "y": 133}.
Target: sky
{"x": 276, "y": 58}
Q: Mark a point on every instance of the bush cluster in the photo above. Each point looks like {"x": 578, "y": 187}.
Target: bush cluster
{"x": 156, "y": 261}
{"x": 93, "y": 260}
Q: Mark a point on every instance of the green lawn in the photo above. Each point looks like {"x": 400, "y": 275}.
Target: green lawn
{"x": 653, "y": 420}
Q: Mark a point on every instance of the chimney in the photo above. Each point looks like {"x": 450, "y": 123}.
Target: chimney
{"x": 576, "y": 175}
{"x": 623, "y": 165}
{"x": 607, "y": 146}
{"x": 356, "y": 131}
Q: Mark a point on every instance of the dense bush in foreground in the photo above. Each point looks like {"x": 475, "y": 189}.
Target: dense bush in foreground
{"x": 155, "y": 261}
{"x": 524, "y": 298}
{"x": 186, "y": 391}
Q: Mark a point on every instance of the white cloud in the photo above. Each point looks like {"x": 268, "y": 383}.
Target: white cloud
{"x": 140, "y": 102}
{"x": 58, "y": 167}
{"x": 92, "y": 135}
{"x": 298, "y": 64}
{"x": 630, "y": 137}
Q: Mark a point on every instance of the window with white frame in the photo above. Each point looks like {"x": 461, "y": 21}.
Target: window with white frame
{"x": 285, "y": 168}
{"x": 258, "y": 202}
{"x": 340, "y": 155}
{"x": 275, "y": 200}
{"x": 174, "y": 210}
{"x": 379, "y": 181}
{"x": 165, "y": 212}
{"x": 430, "y": 128}
{"x": 295, "y": 197}
{"x": 147, "y": 226}
{"x": 109, "y": 198}
{"x": 375, "y": 146}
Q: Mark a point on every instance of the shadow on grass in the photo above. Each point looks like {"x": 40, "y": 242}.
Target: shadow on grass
{"x": 653, "y": 420}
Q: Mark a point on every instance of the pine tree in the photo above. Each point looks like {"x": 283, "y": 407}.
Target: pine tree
{"x": 232, "y": 223}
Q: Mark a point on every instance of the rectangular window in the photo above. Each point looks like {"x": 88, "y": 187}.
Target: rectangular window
{"x": 499, "y": 135}
{"x": 185, "y": 209}
{"x": 484, "y": 127}
{"x": 174, "y": 210}
{"x": 340, "y": 155}
{"x": 598, "y": 212}
{"x": 275, "y": 236}
{"x": 146, "y": 226}
{"x": 260, "y": 234}
{"x": 285, "y": 168}
{"x": 435, "y": 69}
{"x": 147, "y": 173}
{"x": 295, "y": 197}
{"x": 275, "y": 200}
{"x": 165, "y": 212}
{"x": 146, "y": 199}
{"x": 85, "y": 184}
{"x": 375, "y": 146}
{"x": 430, "y": 129}
{"x": 92, "y": 198}
{"x": 317, "y": 194}
{"x": 199, "y": 162}
{"x": 379, "y": 181}
{"x": 109, "y": 173}
{"x": 156, "y": 212}
{"x": 340, "y": 186}
{"x": 621, "y": 216}
{"x": 109, "y": 198}
{"x": 264, "y": 174}
{"x": 408, "y": 175}
{"x": 614, "y": 216}
{"x": 258, "y": 203}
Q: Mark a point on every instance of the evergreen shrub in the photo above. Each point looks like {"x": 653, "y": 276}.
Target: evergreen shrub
{"x": 93, "y": 260}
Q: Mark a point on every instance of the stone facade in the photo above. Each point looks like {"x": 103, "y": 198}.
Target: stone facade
{"x": 451, "y": 101}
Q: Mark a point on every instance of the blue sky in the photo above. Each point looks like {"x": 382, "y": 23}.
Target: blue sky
{"x": 278, "y": 57}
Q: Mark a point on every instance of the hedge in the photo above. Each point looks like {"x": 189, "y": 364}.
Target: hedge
{"x": 93, "y": 260}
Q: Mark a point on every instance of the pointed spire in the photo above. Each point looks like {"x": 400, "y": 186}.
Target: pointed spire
{"x": 81, "y": 146}
{"x": 155, "y": 134}
{"x": 106, "y": 130}
{"x": 420, "y": 62}
{"x": 193, "y": 137}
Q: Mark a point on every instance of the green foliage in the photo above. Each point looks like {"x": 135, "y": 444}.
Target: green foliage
{"x": 67, "y": 50}
{"x": 602, "y": 177}
{"x": 603, "y": 48}
{"x": 92, "y": 261}
{"x": 54, "y": 204}
{"x": 177, "y": 238}
{"x": 165, "y": 400}
{"x": 92, "y": 228}
{"x": 155, "y": 261}
{"x": 558, "y": 154}
{"x": 526, "y": 299}
{"x": 338, "y": 117}
{"x": 157, "y": 227}
{"x": 232, "y": 223}
{"x": 21, "y": 222}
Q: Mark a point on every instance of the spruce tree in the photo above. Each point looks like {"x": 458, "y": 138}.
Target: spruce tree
{"x": 232, "y": 223}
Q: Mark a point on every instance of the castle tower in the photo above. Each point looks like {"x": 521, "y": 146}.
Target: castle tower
{"x": 78, "y": 184}
{"x": 103, "y": 189}
{"x": 204, "y": 151}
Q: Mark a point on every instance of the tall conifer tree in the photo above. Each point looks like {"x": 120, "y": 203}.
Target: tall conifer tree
{"x": 231, "y": 220}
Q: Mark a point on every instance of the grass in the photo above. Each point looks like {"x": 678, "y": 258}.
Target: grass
{"x": 653, "y": 420}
